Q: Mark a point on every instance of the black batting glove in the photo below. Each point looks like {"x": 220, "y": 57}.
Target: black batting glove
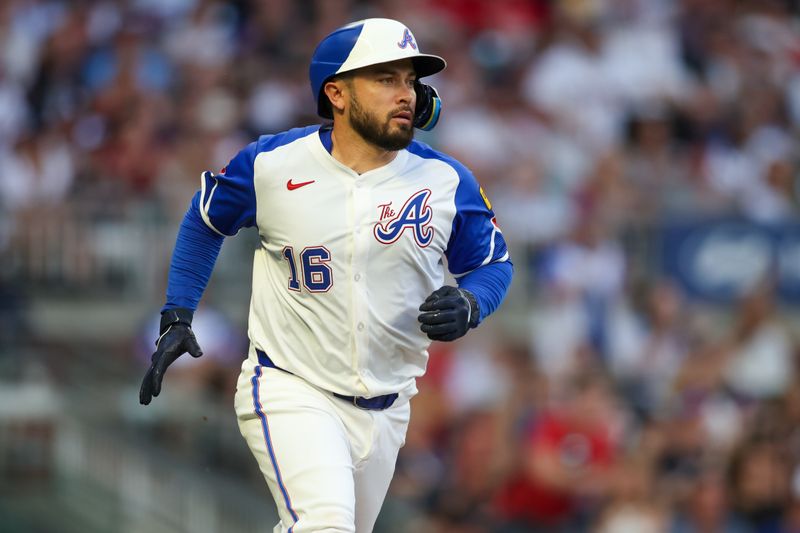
{"x": 176, "y": 338}
{"x": 448, "y": 313}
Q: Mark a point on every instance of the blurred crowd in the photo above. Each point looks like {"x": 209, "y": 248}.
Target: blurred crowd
{"x": 624, "y": 406}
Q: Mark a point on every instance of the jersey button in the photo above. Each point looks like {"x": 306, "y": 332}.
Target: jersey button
{"x": 357, "y": 277}
{"x": 360, "y": 326}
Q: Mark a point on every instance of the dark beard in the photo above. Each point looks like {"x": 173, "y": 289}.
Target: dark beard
{"x": 367, "y": 126}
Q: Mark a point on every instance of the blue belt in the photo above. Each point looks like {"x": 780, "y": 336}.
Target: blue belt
{"x": 378, "y": 403}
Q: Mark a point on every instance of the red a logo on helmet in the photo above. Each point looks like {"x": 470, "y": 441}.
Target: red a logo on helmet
{"x": 407, "y": 40}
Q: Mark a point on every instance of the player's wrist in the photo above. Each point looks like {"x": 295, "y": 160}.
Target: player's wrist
{"x": 178, "y": 315}
{"x": 474, "y": 308}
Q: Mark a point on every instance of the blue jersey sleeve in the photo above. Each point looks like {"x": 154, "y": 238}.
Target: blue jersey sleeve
{"x": 476, "y": 239}
{"x": 228, "y": 199}
{"x": 193, "y": 259}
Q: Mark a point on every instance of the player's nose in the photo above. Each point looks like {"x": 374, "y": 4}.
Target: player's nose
{"x": 406, "y": 95}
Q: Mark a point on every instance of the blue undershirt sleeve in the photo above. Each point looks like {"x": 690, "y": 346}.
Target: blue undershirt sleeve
{"x": 196, "y": 250}
{"x": 489, "y": 284}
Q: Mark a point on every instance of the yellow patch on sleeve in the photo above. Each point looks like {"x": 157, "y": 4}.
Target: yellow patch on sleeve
{"x": 485, "y": 199}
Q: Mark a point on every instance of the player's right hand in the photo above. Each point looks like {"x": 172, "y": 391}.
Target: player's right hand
{"x": 176, "y": 338}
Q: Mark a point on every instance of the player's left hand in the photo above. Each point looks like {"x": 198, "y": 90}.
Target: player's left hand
{"x": 176, "y": 338}
{"x": 448, "y": 313}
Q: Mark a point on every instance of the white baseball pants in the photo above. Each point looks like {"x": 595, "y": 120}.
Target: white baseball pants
{"x": 328, "y": 463}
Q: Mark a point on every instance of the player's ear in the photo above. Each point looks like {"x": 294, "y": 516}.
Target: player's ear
{"x": 335, "y": 92}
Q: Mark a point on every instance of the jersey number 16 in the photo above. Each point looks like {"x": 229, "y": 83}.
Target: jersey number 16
{"x": 317, "y": 275}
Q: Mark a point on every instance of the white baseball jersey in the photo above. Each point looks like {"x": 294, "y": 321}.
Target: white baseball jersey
{"x": 345, "y": 259}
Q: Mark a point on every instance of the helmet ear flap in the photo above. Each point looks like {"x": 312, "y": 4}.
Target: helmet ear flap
{"x": 429, "y": 106}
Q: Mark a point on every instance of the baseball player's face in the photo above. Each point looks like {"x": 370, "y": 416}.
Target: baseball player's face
{"x": 381, "y": 104}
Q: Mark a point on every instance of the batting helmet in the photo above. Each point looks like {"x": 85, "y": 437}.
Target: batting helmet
{"x": 363, "y": 43}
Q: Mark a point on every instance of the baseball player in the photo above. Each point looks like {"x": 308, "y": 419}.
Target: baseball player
{"x": 355, "y": 221}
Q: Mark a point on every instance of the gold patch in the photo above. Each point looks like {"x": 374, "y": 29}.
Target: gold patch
{"x": 485, "y": 199}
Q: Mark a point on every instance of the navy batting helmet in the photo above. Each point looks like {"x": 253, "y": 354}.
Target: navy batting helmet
{"x": 363, "y": 43}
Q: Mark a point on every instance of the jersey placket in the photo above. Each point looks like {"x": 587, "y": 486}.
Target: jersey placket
{"x": 361, "y": 236}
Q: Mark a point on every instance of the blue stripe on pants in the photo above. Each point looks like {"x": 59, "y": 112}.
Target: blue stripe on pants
{"x": 268, "y": 440}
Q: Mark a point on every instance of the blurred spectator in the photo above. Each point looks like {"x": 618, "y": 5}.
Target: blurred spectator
{"x": 474, "y": 378}
{"x": 38, "y": 172}
{"x": 760, "y": 485}
{"x": 708, "y": 509}
{"x": 567, "y": 462}
{"x": 535, "y": 212}
{"x": 658, "y": 168}
{"x": 571, "y": 84}
{"x": 761, "y": 361}
{"x": 633, "y": 506}
{"x": 584, "y": 280}
{"x": 705, "y": 417}
{"x": 462, "y": 501}
{"x": 649, "y": 347}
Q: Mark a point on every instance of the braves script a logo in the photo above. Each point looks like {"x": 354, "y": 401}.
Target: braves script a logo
{"x": 407, "y": 40}
{"x": 414, "y": 215}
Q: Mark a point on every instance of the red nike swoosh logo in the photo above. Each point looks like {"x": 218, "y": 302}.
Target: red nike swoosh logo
{"x": 292, "y": 186}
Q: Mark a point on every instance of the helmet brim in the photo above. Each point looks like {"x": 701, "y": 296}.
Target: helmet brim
{"x": 428, "y": 64}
